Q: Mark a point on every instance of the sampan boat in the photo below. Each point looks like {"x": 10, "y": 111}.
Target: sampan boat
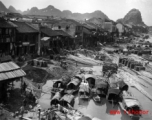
{"x": 132, "y": 107}
{"x": 56, "y": 99}
{"x": 113, "y": 96}
{"x": 67, "y": 100}
{"x": 102, "y": 88}
{"x": 60, "y": 85}
{"x": 84, "y": 91}
{"x": 90, "y": 79}
{"x": 73, "y": 85}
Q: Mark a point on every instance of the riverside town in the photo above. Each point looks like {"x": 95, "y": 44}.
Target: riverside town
{"x": 75, "y": 60}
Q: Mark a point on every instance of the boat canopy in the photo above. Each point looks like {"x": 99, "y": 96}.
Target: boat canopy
{"x": 114, "y": 91}
{"x": 84, "y": 88}
{"x": 56, "y": 98}
{"x": 123, "y": 86}
{"x": 56, "y": 84}
{"x": 67, "y": 99}
{"x": 73, "y": 84}
{"x": 79, "y": 76}
{"x": 90, "y": 78}
{"x": 102, "y": 84}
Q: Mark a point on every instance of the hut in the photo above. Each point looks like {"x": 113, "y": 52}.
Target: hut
{"x": 9, "y": 72}
{"x": 67, "y": 99}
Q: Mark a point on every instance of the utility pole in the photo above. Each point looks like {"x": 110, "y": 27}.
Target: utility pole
{"x": 39, "y": 39}
{"x": 82, "y": 37}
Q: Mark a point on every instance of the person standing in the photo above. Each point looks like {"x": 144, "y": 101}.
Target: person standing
{"x": 22, "y": 111}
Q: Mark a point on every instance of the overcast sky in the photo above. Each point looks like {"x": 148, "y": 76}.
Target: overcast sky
{"x": 114, "y": 9}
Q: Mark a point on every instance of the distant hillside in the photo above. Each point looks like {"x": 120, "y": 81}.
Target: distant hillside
{"x": 13, "y": 10}
{"x": 132, "y": 17}
{"x": 52, "y": 11}
{"x": 3, "y": 8}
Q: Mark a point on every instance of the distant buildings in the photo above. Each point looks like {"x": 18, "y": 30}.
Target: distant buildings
{"x": 26, "y": 38}
{"x": 29, "y": 34}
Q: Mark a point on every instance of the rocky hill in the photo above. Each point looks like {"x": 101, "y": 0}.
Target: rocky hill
{"x": 132, "y": 17}
{"x": 52, "y": 11}
{"x": 3, "y": 8}
{"x": 13, "y": 10}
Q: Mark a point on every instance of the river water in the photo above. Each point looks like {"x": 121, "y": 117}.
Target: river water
{"x": 101, "y": 111}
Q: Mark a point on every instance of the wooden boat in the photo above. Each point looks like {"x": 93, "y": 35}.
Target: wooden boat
{"x": 90, "y": 79}
{"x": 122, "y": 86}
{"x": 84, "y": 91}
{"x": 113, "y": 96}
{"x": 73, "y": 85}
{"x": 56, "y": 99}
{"x": 131, "y": 106}
{"x": 60, "y": 85}
{"x": 102, "y": 88}
{"x": 67, "y": 100}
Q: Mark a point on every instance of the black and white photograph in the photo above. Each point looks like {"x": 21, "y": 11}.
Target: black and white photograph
{"x": 75, "y": 59}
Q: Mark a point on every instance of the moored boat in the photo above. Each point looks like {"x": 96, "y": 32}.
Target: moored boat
{"x": 131, "y": 106}
{"x": 73, "y": 85}
{"x": 84, "y": 91}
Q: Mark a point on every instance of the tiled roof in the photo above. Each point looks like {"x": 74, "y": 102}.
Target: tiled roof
{"x": 88, "y": 26}
{"x": 86, "y": 31}
{"x": 5, "y": 24}
{"x": 24, "y": 27}
{"x": 51, "y": 32}
{"x": 62, "y": 33}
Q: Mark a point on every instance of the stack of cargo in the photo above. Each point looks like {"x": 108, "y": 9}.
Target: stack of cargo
{"x": 132, "y": 64}
{"x": 110, "y": 66}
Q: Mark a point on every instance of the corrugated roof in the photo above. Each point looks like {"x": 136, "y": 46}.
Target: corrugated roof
{"x": 22, "y": 27}
{"x": 12, "y": 74}
{"x": 9, "y": 70}
{"x": 8, "y": 66}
